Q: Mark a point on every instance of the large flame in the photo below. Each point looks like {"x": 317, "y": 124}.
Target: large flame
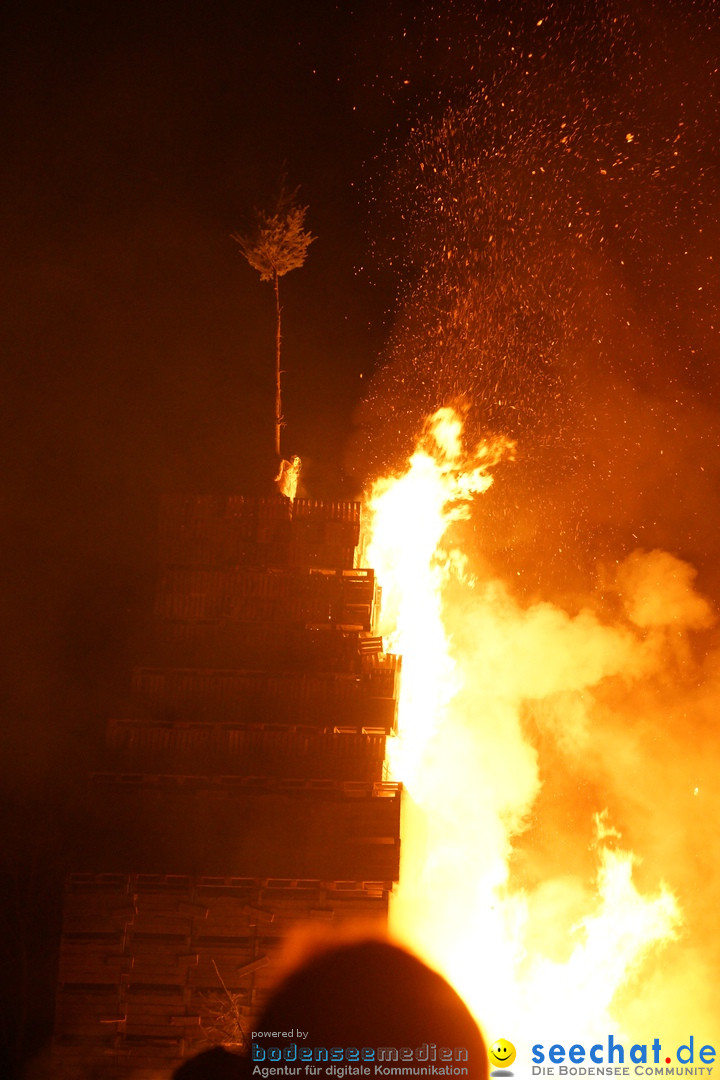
{"x": 538, "y": 963}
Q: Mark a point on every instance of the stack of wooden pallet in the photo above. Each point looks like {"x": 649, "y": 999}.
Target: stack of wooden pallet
{"x": 252, "y": 743}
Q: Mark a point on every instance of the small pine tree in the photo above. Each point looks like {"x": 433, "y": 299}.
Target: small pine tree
{"x": 276, "y": 243}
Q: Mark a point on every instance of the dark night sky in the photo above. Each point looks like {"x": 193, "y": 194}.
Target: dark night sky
{"x": 137, "y": 351}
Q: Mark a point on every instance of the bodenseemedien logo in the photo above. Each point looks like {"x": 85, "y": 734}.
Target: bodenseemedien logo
{"x": 345, "y": 1062}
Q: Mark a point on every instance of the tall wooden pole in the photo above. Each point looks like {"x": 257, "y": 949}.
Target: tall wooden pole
{"x": 278, "y": 340}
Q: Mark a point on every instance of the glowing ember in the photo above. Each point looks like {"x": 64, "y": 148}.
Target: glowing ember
{"x": 547, "y": 960}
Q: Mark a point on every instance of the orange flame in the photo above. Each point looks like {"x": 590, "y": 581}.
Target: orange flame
{"x": 545, "y": 963}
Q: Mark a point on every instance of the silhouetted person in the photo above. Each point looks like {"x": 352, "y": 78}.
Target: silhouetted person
{"x": 370, "y": 994}
{"x": 215, "y": 1064}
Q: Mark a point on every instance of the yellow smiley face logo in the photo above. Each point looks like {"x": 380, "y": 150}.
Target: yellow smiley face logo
{"x": 502, "y": 1053}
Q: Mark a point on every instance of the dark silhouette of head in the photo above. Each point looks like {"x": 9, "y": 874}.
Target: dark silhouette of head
{"x": 372, "y": 994}
{"x": 215, "y": 1064}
